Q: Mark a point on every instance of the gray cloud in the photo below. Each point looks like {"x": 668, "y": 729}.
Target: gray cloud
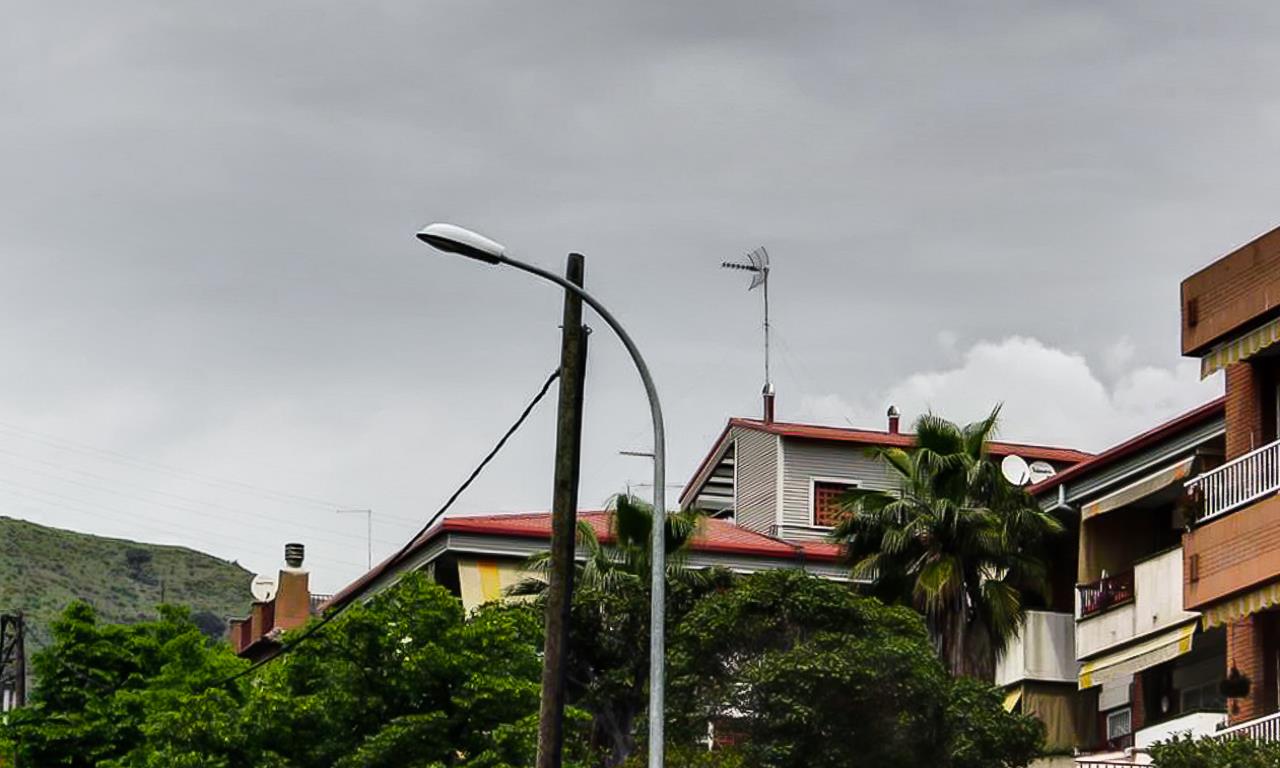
{"x": 206, "y": 215}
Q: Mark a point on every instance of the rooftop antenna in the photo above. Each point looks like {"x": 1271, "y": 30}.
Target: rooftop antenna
{"x": 757, "y": 263}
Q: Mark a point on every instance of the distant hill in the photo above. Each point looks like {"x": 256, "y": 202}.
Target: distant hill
{"x": 42, "y": 569}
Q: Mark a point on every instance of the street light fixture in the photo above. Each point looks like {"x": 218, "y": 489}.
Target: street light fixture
{"x": 453, "y": 239}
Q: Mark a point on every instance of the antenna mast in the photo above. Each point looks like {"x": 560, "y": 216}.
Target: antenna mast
{"x": 758, "y": 264}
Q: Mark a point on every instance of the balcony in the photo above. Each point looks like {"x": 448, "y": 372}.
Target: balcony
{"x": 1107, "y": 592}
{"x": 1197, "y": 725}
{"x": 1265, "y": 728}
{"x": 1239, "y": 482}
{"x": 1045, "y": 650}
{"x": 1131, "y": 605}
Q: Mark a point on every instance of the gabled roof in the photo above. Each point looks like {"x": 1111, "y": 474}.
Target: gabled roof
{"x": 713, "y": 536}
{"x": 1193, "y": 418}
{"x": 869, "y": 438}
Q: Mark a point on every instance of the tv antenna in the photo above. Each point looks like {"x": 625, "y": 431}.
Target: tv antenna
{"x": 758, "y": 264}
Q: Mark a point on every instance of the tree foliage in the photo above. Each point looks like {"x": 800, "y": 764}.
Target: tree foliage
{"x": 406, "y": 680}
{"x": 805, "y": 673}
{"x": 1183, "y": 752}
{"x": 608, "y": 663}
{"x": 955, "y": 540}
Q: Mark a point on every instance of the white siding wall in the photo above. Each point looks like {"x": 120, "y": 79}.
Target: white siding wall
{"x": 807, "y": 459}
{"x": 756, "y": 490}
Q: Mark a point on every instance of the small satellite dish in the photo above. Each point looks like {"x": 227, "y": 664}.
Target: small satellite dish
{"x": 263, "y": 588}
{"x": 1041, "y": 470}
{"x": 1015, "y": 469}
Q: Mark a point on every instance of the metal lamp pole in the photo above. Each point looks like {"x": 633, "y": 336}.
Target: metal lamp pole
{"x": 452, "y": 239}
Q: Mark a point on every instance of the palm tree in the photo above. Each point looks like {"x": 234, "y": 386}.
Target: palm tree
{"x": 956, "y": 540}
{"x": 608, "y": 663}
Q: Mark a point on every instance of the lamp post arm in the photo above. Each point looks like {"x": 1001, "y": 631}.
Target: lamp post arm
{"x": 658, "y": 558}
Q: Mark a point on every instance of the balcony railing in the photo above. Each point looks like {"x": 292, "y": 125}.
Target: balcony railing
{"x": 1263, "y": 729}
{"x": 1238, "y": 482}
{"x": 1105, "y": 593}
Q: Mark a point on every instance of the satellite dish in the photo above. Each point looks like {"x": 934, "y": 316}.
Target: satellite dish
{"x": 263, "y": 588}
{"x": 1041, "y": 470}
{"x": 1015, "y": 469}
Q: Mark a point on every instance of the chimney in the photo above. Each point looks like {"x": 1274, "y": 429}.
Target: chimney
{"x": 894, "y": 418}
{"x": 768, "y": 403}
{"x": 293, "y": 554}
{"x": 293, "y": 591}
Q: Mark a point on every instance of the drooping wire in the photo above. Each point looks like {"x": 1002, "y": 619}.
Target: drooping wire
{"x": 395, "y": 558}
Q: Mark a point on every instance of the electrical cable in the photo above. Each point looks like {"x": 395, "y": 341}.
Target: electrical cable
{"x": 314, "y": 628}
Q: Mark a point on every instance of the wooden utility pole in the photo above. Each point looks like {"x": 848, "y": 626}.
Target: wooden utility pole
{"x": 13, "y": 661}
{"x": 564, "y": 520}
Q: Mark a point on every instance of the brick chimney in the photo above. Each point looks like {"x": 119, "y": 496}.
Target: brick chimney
{"x": 768, "y": 403}
{"x": 894, "y": 419}
{"x": 293, "y": 596}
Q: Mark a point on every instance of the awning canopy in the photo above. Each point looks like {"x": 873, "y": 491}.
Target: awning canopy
{"x": 1125, "y": 662}
{"x": 1240, "y": 606}
{"x": 1240, "y": 348}
{"x": 1134, "y": 491}
{"x": 1011, "y": 698}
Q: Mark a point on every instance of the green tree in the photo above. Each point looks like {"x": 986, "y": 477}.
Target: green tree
{"x": 406, "y": 680}
{"x": 608, "y": 661}
{"x": 98, "y": 683}
{"x": 1184, "y": 752}
{"x": 804, "y": 673}
{"x": 955, "y": 540}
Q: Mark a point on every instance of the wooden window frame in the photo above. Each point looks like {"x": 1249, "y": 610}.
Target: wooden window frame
{"x": 813, "y": 483}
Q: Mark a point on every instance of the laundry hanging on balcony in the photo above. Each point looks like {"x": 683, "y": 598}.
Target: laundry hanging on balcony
{"x": 1125, "y": 662}
{"x": 1240, "y": 348}
{"x": 1238, "y": 607}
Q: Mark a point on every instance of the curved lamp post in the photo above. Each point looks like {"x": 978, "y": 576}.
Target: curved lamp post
{"x": 447, "y": 237}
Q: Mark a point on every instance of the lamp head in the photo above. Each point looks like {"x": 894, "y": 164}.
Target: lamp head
{"x": 447, "y": 237}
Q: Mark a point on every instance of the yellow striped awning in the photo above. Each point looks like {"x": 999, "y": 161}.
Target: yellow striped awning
{"x": 1240, "y": 348}
{"x": 1124, "y": 663}
{"x": 1238, "y": 607}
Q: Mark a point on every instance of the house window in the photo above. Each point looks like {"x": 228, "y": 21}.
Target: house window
{"x": 1119, "y": 727}
{"x": 826, "y": 502}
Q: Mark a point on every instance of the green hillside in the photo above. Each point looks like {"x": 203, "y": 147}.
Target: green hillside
{"x": 42, "y": 569}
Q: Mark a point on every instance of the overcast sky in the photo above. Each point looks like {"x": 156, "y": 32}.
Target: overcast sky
{"x": 216, "y": 325}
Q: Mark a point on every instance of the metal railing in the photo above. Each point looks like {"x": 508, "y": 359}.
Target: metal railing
{"x": 319, "y": 600}
{"x": 1105, "y": 593}
{"x": 1265, "y": 728}
{"x": 1238, "y": 482}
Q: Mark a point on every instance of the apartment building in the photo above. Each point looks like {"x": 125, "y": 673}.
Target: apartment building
{"x": 1143, "y": 666}
{"x": 1231, "y": 552}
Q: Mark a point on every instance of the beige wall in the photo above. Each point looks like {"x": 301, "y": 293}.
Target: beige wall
{"x": 483, "y": 580}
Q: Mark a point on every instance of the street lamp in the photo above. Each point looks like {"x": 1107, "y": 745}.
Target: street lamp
{"x": 452, "y": 239}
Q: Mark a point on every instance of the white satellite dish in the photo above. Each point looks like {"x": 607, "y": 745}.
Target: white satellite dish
{"x": 263, "y": 588}
{"x": 1015, "y": 469}
{"x": 1041, "y": 471}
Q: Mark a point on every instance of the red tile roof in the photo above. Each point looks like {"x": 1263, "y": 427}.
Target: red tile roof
{"x": 1188, "y": 420}
{"x": 905, "y": 440}
{"x": 871, "y": 437}
{"x": 714, "y": 536}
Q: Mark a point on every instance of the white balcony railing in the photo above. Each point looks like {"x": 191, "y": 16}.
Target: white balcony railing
{"x": 1238, "y": 482}
{"x": 1265, "y": 728}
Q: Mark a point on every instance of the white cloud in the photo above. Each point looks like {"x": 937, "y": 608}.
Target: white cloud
{"x": 1049, "y": 395}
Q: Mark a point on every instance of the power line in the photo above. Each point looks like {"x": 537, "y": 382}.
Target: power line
{"x": 70, "y": 445}
{"x": 314, "y": 628}
{"x": 255, "y": 521}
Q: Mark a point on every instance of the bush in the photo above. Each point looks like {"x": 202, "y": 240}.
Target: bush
{"x": 1183, "y": 752}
